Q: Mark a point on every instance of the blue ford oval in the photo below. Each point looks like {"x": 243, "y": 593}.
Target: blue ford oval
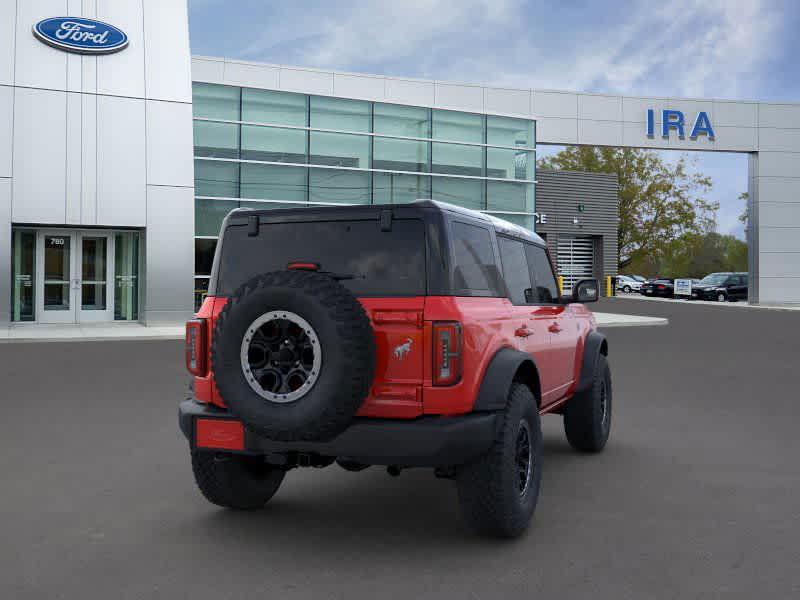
{"x": 84, "y": 36}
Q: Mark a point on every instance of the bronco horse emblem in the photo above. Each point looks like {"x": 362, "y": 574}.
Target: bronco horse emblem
{"x": 403, "y": 349}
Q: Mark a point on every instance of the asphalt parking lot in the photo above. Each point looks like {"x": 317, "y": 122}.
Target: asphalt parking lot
{"x": 696, "y": 495}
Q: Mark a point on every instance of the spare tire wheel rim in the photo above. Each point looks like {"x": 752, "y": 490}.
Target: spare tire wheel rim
{"x": 281, "y": 356}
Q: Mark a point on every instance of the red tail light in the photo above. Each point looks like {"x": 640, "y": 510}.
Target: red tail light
{"x": 661, "y": 287}
{"x": 195, "y": 350}
{"x": 447, "y": 364}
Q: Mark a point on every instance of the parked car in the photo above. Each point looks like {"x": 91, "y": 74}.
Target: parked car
{"x": 628, "y": 284}
{"x": 722, "y": 287}
{"x": 664, "y": 288}
{"x": 639, "y": 278}
{"x": 316, "y": 346}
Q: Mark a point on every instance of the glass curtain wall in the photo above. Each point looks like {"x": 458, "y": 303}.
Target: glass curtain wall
{"x": 271, "y": 149}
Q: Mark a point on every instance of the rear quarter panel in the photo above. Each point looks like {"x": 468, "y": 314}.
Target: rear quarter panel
{"x": 487, "y": 326}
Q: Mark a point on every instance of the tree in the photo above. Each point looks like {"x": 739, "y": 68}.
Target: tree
{"x": 659, "y": 202}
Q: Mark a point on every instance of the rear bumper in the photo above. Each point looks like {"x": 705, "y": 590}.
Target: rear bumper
{"x": 424, "y": 442}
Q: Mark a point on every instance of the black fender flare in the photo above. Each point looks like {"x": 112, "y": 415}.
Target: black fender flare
{"x": 594, "y": 346}
{"x": 507, "y": 365}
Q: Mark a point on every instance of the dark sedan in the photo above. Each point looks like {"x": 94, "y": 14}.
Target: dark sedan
{"x": 663, "y": 288}
{"x": 722, "y": 287}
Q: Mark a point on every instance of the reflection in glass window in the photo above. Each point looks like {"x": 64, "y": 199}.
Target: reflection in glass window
{"x": 509, "y": 164}
{"x": 200, "y": 291}
{"x": 273, "y": 144}
{"x": 464, "y": 192}
{"x": 208, "y": 215}
{"x": 339, "y": 150}
{"x": 215, "y": 178}
{"x": 269, "y": 205}
{"x": 521, "y": 220}
{"x": 391, "y": 263}
{"x": 393, "y": 188}
{"x": 457, "y": 126}
{"x": 337, "y": 113}
{"x": 515, "y": 197}
{"x": 126, "y": 276}
{"x": 273, "y": 182}
{"x": 339, "y": 186}
{"x": 406, "y": 121}
{"x": 212, "y": 101}
{"x": 457, "y": 159}
{"x": 542, "y": 274}
{"x": 400, "y": 155}
{"x": 515, "y": 270}
{"x": 204, "y": 256}
{"x": 280, "y": 108}
{"x": 23, "y": 261}
{"x": 219, "y": 140}
{"x": 507, "y": 131}
{"x": 475, "y": 267}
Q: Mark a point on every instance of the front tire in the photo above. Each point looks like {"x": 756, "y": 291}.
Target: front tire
{"x": 234, "y": 481}
{"x": 498, "y": 492}
{"x": 587, "y": 415}
{"x": 721, "y": 297}
{"x": 627, "y": 289}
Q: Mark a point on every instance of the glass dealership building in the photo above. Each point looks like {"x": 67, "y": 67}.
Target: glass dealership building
{"x": 267, "y": 149}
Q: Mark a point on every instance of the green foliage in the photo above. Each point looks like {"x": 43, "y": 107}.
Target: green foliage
{"x": 694, "y": 255}
{"x": 661, "y": 204}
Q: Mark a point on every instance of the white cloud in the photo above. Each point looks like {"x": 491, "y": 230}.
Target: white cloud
{"x": 687, "y": 47}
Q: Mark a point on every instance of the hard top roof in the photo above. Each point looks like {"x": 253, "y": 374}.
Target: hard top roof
{"x": 500, "y": 225}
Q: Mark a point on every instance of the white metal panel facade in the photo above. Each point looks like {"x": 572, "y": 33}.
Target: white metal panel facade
{"x": 73, "y": 131}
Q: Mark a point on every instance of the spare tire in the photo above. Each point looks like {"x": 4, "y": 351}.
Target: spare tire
{"x": 293, "y": 355}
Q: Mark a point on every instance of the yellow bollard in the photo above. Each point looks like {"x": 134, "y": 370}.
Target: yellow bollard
{"x": 609, "y": 291}
{"x": 560, "y": 285}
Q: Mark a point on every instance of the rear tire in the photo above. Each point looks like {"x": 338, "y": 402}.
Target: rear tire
{"x": 722, "y": 297}
{"x": 627, "y": 289}
{"x": 587, "y": 415}
{"x": 234, "y": 481}
{"x": 498, "y": 492}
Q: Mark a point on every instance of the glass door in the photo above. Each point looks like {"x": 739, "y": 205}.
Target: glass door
{"x": 74, "y": 273}
{"x": 94, "y": 290}
{"x": 56, "y": 277}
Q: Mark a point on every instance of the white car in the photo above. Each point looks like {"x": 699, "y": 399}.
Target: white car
{"x": 628, "y": 284}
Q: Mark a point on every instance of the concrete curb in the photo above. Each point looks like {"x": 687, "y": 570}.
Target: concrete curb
{"x": 606, "y": 320}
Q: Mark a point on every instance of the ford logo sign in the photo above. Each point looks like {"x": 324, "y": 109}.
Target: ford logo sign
{"x": 84, "y": 36}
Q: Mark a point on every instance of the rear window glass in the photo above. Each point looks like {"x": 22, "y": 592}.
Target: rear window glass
{"x": 383, "y": 263}
{"x": 475, "y": 268}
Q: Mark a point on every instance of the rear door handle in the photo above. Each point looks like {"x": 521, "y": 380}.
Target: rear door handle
{"x": 522, "y": 332}
{"x": 554, "y": 328}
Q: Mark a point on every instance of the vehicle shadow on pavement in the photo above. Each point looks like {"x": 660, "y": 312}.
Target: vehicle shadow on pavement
{"x": 332, "y": 509}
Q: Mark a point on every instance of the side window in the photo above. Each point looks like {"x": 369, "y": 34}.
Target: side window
{"x": 475, "y": 269}
{"x": 515, "y": 270}
{"x": 545, "y": 286}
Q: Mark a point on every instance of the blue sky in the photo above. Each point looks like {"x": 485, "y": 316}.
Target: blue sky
{"x": 740, "y": 49}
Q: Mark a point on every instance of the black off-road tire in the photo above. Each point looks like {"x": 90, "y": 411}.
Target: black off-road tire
{"x": 587, "y": 416}
{"x": 233, "y": 481}
{"x": 489, "y": 488}
{"x": 348, "y": 355}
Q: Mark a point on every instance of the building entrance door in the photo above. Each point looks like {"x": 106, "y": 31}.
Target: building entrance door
{"x": 74, "y": 272}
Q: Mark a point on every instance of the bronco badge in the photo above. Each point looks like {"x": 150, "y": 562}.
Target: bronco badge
{"x": 403, "y": 349}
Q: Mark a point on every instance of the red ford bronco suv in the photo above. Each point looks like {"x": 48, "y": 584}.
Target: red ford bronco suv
{"x": 417, "y": 335}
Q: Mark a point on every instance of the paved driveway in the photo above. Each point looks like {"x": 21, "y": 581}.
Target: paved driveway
{"x": 697, "y": 495}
